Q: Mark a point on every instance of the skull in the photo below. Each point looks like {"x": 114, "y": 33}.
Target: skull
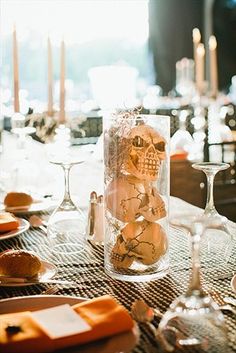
{"x": 142, "y": 241}
{"x": 124, "y": 196}
{"x": 154, "y": 209}
{"x": 147, "y": 150}
{"x": 119, "y": 255}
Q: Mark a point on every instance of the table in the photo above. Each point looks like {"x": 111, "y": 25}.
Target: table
{"x": 91, "y": 280}
{"x": 88, "y": 272}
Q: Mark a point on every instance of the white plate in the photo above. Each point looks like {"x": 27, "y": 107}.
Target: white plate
{"x": 123, "y": 342}
{"x": 47, "y": 271}
{"x": 233, "y": 283}
{"x": 35, "y": 302}
{"x": 24, "y": 225}
{"x": 35, "y": 207}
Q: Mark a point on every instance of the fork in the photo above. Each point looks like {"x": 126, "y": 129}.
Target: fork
{"x": 227, "y": 307}
{"x": 230, "y": 300}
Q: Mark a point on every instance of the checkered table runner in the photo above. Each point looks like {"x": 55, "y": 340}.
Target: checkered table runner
{"x": 87, "y": 270}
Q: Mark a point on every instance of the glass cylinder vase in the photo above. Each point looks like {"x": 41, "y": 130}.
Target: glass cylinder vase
{"x": 136, "y": 189}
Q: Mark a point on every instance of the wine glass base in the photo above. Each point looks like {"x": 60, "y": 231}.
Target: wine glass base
{"x": 27, "y": 130}
{"x": 210, "y": 166}
{"x": 67, "y": 249}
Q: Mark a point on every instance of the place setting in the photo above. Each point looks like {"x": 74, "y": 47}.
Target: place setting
{"x": 12, "y": 226}
{"x": 16, "y": 207}
{"x": 40, "y": 204}
{"x": 25, "y": 268}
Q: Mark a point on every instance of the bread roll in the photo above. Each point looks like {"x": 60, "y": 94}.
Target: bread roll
{"x": 19, "y": 263}
{"x": 16, "y": 199}
{"x": 8, "y": 222}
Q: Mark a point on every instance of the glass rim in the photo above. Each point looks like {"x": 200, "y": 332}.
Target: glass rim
{"x": 208, "y": 165}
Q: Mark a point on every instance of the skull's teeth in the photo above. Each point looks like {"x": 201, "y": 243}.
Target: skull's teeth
{"x": 148, "y": 166}
{"x": 148, "y": 163}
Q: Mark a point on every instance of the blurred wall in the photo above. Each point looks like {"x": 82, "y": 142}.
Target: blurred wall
{"x": 170, "y": 28}
{"x": 224, "y": 28}
{"x": 170, "y": 31}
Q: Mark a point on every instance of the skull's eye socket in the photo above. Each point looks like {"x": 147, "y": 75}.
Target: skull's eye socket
{"x": 160, "y": 146}
{"x": 138, "y": 141}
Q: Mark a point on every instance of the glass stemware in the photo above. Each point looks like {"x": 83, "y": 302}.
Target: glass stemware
{"x": 24, "y": 170}
{"x": 193, "y": 321}
{"x": 220, "y": 241}
{"x": 19, "y": 129}
{"x": 182, "y": 139}
{"x": 66, "y": 226}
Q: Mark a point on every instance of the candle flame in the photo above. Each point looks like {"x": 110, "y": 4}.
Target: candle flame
{"x": 196, "y": 35}
{"x": 212, "y": 43}
{"x": 200, "y": 50}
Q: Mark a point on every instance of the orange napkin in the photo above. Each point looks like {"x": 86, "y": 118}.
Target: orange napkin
{"x": 179, "y": 155}
{"x": 8, "y": 222}
{"x": 105, "y": 316}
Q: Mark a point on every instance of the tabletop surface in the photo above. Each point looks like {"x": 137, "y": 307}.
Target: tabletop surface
{"x": 87, "y": 270}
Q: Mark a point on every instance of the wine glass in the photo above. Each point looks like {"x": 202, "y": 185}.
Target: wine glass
{"x": 24, "y": 169}
{"x": 218, "y": 235}
{"x": 66, "y": 226}
{"x": 18, "y": 128}
{"x": 182, "y": 139}
{"x": 193, "y": 321}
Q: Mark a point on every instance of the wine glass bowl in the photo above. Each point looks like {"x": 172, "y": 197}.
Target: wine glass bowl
{"x": 24, "y": 170}
{"x": 20, "y": 130}
{"x": 211, "y": 169}
{"x": 66, "y": 225}
{"x": 218, "y": 235}
{"x": 193, "y": 321}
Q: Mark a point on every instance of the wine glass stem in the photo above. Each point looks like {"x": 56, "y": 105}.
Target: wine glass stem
{"x": 67, "y": 184}
{"x": 21, "y": 142}
{"x": 210, "y": 206}
{"x": 195, "y": 283}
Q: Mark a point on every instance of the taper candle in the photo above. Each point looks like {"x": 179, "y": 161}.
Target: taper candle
{"x": 213, "y": 66}
{"x": 50, "y": 79}
{"x": 62, "y": 85}
{"x": 196, "y": 42}
{"x": 15, "y": 73}
{"x": 200, "y": 68}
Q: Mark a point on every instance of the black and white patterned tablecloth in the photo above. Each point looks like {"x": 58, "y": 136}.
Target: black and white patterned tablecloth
{"x": 87, "y": 270}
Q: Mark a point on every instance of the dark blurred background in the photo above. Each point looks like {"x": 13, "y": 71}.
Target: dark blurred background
{"x": 171, "y": 23}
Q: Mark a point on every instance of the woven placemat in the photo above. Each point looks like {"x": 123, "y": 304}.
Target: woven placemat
{"x": 88, "y": 272}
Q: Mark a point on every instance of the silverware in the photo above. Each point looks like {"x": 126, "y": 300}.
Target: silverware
{"x": 227, "y": 307}
{"x": 19, "y": 280}
{"x": 230, "y": 300}
{"x": 225, "y": 275}
{"x": 37, "y": 222}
